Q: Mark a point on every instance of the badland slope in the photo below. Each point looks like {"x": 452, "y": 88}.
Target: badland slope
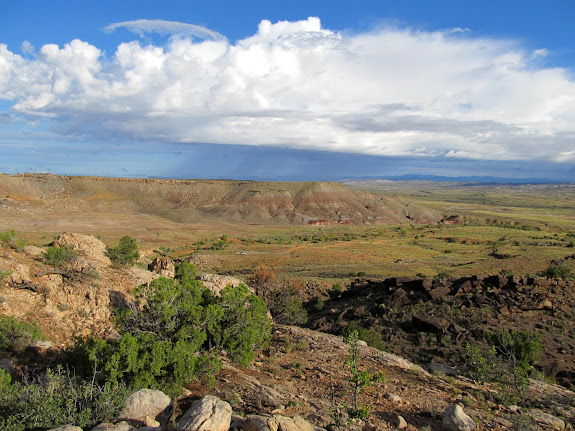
{"x": 191, "y": 200}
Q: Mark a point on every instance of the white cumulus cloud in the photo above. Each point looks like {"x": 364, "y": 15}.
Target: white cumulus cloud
{"x": 384, "y": 92}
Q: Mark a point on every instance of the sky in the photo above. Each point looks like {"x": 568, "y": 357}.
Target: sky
{"x": 299, "y": 90}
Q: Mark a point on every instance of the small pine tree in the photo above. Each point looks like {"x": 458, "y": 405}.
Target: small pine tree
{"x": 358, "y": 379}
{"x": 126, "y": 252}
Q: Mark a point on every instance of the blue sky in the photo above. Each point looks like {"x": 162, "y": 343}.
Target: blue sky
{"x": 288, "y": 90}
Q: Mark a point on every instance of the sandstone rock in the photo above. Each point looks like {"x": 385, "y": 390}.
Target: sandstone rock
{"x": 147, "y": 407}
{"x": 91, "y": 249}
{"x": 216, "y": 283}
{"x": 142, "y": 276}
{"x": 67, "y": 428}
{"x": 51, "y": 281}
{"x": 394, "y": 398}
{"x": 302, "y": 424}
{"x": 276, "y": 423}
{"x": 20, "y": 274}
{"x": 163, "y": 266}
{"x": 120, "y": 426}
{"x": 33, "y": 251}
{"x": 546, "y": 420}
{"x": 209, "y": 413}
{"x": 455, "y": 419}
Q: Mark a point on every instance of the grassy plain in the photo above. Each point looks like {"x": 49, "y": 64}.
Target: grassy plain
{"x": 516, "y": 229}
{"x": 504, "y": 228}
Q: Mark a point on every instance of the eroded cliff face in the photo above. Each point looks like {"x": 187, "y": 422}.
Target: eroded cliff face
{"x": 187, "y": 200}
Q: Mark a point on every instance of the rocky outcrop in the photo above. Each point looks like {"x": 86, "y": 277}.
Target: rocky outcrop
{"x": 142, "y": 276}
{"x": 415, "y": 316}
{"x": 163, "y": 266}
{"x": 20, "y": 274}
{"x": 92, "y": 251}
{"x": 216, "y": 283}
{"x": 209, "y": 413}
{"x": 319, "y": 222}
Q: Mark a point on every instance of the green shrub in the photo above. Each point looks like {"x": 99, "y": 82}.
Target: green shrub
{"x": 561, "y": 271}
{"x": 11, "y": 239}
{"x": 221, "y": 243}
{"x": 319, "y": 304}
{"x": 508, "y": 360}
{"x": 481, "y": 365}
{"x": 126, "y": 252}
{"x": 335, "y": 291}
{"x": 55, "y": 400}
{"x": 441, "y": 274}
{"x": 8, "y": 235}
{"x": 4, "y": 273}
{"x": 170, "y": 336}
{"x": 15, "y": 334}
{"x": 285, "y": 305}
{"x": 372, "y": 338}
{"x": 185, "y": 272}
{"x": 59, "y": 257}
{"x": 243, "y": 324}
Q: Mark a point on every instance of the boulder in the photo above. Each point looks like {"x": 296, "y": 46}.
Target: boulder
{"x": 276, "y": 423}
{"x": 142, "y": 276}
{"x": 256, "y": 423}
{"x": 546, "y": 421}
{"x": 398, "y": 299}
{"x": 120, "y": 426}
{"x": 216, "y": 283}
{"x": 163, "y": 266}
{"x": 394, "y": 398}
{"x": 92, "y": 251}
{"x": 147, "y": 407}
{"x": 440, "y": 292}
{"x": 398, "y": 422}
{"x": 20, "y": 274}
{"x": 368, "y": 426}
{"x": 430, "y": 323}
{"x": 455, "y": 419}
{"x": 209, "y": 413}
